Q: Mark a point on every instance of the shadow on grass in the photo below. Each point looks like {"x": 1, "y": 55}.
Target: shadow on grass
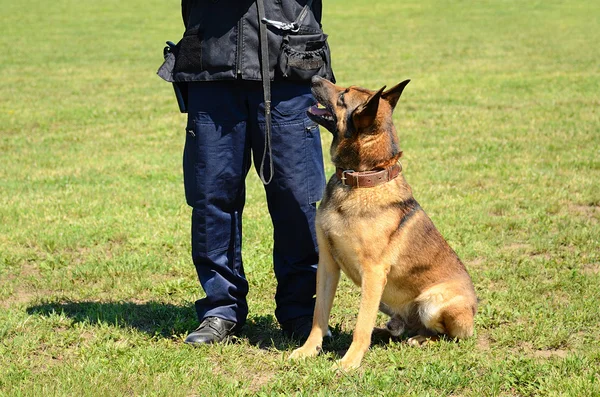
{"x": 171, "y": 321}
{"x": 153, "y": 318}
{"x": 264, "y": 332}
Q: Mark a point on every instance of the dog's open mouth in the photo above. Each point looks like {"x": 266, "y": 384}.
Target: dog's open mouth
{"x": 323, "y": 116}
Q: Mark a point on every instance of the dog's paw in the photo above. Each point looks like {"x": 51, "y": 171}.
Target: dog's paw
{"x": 304, "y": 352}
{"x": 421, "y": 340}
{"x": 346, "y": 364}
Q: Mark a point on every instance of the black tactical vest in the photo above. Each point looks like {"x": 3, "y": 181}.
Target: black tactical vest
{"x": 221, "y": 39}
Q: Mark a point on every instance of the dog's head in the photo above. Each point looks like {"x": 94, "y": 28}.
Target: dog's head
{"x": 360, "y": 120}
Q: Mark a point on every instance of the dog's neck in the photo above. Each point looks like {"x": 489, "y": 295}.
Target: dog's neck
{"x": 354, "y": 163}
{"x": 371, "y": 178}
{"x": 368, "y": 150}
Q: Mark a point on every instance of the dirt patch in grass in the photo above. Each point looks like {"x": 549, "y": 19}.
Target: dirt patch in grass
{"x": 254, "y": 380}
{"x": 591, "y": 268}
{"x": 28, "y": 269}
{"x": 527, "y": 249}
{"x": 550, "y": 353}
{"x": 527, "y": 348}
{"x": 517, "y": 247}
{"x": 80, "y": 255}
{"x": 259, "y": 380}
{"x": 591, "y": 212}
{"x": 538, "y": 254}
{"x": 21, "y": 294}
{"x": 484, "y": 343}
{"x": 47, "y": 363}
{"x": 558, "y": 298}
{"x": 491, "y": 285}
{"x": 477, "y": 263}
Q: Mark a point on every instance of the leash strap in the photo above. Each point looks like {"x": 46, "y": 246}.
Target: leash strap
{"x": 266, "y": 82}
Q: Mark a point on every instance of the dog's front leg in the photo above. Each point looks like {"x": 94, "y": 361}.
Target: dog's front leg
{"x": 372, "y": 284}
{"x": 328, "y": 276}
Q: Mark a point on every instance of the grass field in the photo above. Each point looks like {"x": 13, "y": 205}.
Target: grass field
{"x": 500, "y": 128}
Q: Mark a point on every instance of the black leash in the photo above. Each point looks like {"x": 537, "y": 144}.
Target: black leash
{"x": 266, "y": 80}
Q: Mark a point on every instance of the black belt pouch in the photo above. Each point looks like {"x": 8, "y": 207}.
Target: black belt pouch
{"x": 303, "y": 56}
{"x": 166, "y": 72}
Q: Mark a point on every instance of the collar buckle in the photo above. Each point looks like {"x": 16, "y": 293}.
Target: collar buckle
{"x": 344, "y": 177}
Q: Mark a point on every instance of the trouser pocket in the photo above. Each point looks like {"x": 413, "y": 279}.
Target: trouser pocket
{"x": 298, "y": 178}
{"x": 215, "y": 163}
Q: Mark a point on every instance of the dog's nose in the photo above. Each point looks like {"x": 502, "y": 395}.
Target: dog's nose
{"x": 316, "y": 79}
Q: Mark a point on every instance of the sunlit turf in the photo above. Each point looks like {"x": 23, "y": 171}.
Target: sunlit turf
{"x": 500, "y": 128}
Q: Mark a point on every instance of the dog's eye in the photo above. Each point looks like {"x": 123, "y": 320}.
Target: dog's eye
{"x": 341, "y": 98}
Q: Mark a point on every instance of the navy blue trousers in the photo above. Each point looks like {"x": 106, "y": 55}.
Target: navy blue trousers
{"x": 225, "y": 134}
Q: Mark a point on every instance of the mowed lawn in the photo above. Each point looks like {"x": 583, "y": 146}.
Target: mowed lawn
{"x": 500, "y": 128}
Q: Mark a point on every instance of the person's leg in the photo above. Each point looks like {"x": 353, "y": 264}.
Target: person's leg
{"x": 215, "y": 163}
{"x": 298, "y": 183}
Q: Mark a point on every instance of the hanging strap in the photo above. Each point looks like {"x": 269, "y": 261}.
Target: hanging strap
{"x": 266, "y": 82}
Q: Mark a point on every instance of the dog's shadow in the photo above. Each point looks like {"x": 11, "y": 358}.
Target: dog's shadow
{"x": 170, "y": 321}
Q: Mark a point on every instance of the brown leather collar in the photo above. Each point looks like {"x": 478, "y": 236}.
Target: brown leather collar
{"x": 368, "y": 178}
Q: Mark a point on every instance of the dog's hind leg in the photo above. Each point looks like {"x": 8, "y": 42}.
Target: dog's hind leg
{"x": 372, "y": 284}
{"x": 458, "y": 320}
{"x": 328, "y": 276}
{"x": 453, "y": 318}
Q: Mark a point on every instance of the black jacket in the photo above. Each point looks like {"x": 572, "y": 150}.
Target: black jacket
{"x": 221, "y": 39}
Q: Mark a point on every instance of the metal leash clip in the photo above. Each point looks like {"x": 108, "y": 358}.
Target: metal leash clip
{"x": 291, "y": 26}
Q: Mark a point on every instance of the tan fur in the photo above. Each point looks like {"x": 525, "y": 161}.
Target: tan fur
{"x": 380, "y": 237}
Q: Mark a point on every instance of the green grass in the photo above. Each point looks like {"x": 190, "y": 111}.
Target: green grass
{"x": 500, "y": 127}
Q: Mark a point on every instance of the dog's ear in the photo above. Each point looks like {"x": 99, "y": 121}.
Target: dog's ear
{"x": 393, "y": 94}
{"x": 365, "y": 114}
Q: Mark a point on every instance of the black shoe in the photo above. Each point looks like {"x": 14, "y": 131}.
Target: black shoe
{"x": 299, "y": 328}
{"x": 211, "y": 330}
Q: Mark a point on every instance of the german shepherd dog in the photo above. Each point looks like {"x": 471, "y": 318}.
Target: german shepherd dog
{"x": 370, "y": 226}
